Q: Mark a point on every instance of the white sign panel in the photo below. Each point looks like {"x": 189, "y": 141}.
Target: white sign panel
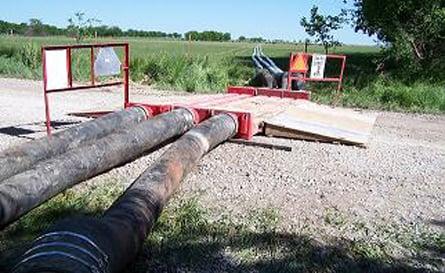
{"x": 107, "y": 63}
{"x": 318, "y": 65}
{"x": 56, "y": 69}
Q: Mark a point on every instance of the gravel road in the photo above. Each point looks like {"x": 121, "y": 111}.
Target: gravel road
{"x": 399, "y": 178}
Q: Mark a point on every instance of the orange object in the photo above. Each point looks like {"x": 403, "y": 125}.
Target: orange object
{"x": 299, "y": 63}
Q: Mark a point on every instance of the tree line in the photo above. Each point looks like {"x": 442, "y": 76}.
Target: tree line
{"x": 79, "y": 27}
{"x": 208, "y": 36}
{"x": 36, "y": 27}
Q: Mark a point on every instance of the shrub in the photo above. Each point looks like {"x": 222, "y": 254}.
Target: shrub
{"x": 30, "y": 55}
{"x": 189, "y": 73}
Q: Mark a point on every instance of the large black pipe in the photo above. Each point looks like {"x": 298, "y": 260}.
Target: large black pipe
{"x": 26, "y": 190}
{"x": 20, "y": 158}
{"x": 268, "y": 73}
{"x": 109, "y": 243}
{"x": 262, "y": 61}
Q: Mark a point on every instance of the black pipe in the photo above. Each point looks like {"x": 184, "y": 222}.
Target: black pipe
{"x": 262, "y": 60}
{"x": 268, "y": 74}
{"x": 26, "y": 190}
{"x": 270, "y": 62}
{"x": 109, "y": 243}
{"x": 20, "y": 158}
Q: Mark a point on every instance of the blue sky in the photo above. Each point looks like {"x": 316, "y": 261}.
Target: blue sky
{"x": 242, "y": 17}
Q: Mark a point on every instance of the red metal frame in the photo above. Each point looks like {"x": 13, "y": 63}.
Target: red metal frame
{"x": 201, "y": 108}
{"x": 305, "y": 78}
{"x": 246, "y": 126}
{"x": 205, "y": 108}
{"x": 270, "y": 92}
{"x": 93, "y": 84}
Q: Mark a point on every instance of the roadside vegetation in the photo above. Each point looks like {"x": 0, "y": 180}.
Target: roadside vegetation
{"x": 187, "y": 239}
{"x": 212, "y": 66}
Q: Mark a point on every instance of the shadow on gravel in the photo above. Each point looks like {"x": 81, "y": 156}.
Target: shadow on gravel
{"x": 268, "y": 252}
{"x": 439, "y": 223}
{"x": 28, "y": 129}
{"x": 184, "y": 241}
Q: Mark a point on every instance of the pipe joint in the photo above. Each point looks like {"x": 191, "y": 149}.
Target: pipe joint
{"x": 78, "y": 253}
{"x": 147, "y": 111}
{"x": 193, "y": 113}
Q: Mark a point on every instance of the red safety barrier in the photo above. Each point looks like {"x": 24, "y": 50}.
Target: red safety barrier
{"x": 125, "y": 70}
{"x": 298, "y": 69}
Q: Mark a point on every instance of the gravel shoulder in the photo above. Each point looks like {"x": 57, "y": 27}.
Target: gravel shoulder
{"x": 399, "y": 179}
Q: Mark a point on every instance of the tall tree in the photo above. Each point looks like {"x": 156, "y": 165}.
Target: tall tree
{"x": 80, "y": 27}
{"x": 414, "y": 29}
{"x": 320, "y": 27}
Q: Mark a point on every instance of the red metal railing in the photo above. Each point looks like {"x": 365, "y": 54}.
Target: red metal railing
{"x": 305, "y": 77}
{"x": 93, "y": 84}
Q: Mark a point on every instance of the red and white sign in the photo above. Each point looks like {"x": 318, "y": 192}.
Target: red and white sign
{"x": 318, "y": 66}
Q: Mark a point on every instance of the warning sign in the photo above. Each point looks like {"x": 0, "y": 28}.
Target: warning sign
{"x": 299, "y": 64}
{"x": 318, "y": 66}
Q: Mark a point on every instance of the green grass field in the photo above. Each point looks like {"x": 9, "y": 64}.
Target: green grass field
{"x": 212, "y": 66}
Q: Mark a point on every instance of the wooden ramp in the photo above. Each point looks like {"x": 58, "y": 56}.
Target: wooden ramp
{"x": 310, "y": 121}
{"x": 302, "y": 119}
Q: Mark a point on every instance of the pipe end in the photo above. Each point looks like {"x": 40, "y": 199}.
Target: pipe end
{"x": 65, "y": 250}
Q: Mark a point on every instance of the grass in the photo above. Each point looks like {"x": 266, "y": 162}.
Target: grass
{"x": 187, "y": 238}
{"x": 418, "y": 97}
{"x": 212, "y": 66}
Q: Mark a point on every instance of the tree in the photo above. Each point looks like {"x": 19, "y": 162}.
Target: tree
{"x": 227, "y": 37}
{"x": 208, "y": 36}
{"x": 79, "y": 27}
{"x": 192, "y": 35}
{"x": 413, "y": 29}
{"x": 35, "y": 27}
{"x": 321, "y": 27}
{"x": 242, "y": 38}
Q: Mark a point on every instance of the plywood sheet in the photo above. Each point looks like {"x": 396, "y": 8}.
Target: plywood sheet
{"x": 312, "y": 121}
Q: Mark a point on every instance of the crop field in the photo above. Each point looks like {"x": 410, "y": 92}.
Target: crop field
{"x": 142, "y": 46}
{"x": 212, "y": 66}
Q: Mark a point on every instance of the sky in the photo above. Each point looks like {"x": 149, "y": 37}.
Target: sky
{"x": 268, "y": 19}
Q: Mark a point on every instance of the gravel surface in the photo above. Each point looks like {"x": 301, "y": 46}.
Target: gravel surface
{"x": 398, "y": 179}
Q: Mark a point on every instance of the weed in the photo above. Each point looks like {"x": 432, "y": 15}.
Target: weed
{"x": 29, "y": 54}
{"x": 334, "y": 217}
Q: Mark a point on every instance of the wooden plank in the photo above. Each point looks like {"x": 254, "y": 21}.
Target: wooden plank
{"x": 276, "y": 131}
{"x": 261, "y": 144}
{"x": 260, "y": 107}
{"x": 311, "y": 121}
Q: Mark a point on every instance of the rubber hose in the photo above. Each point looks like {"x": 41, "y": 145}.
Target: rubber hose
{"x": 24, "y": 191}
{"x": 20, "y": 158}
{"x": 108, "y": 244}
